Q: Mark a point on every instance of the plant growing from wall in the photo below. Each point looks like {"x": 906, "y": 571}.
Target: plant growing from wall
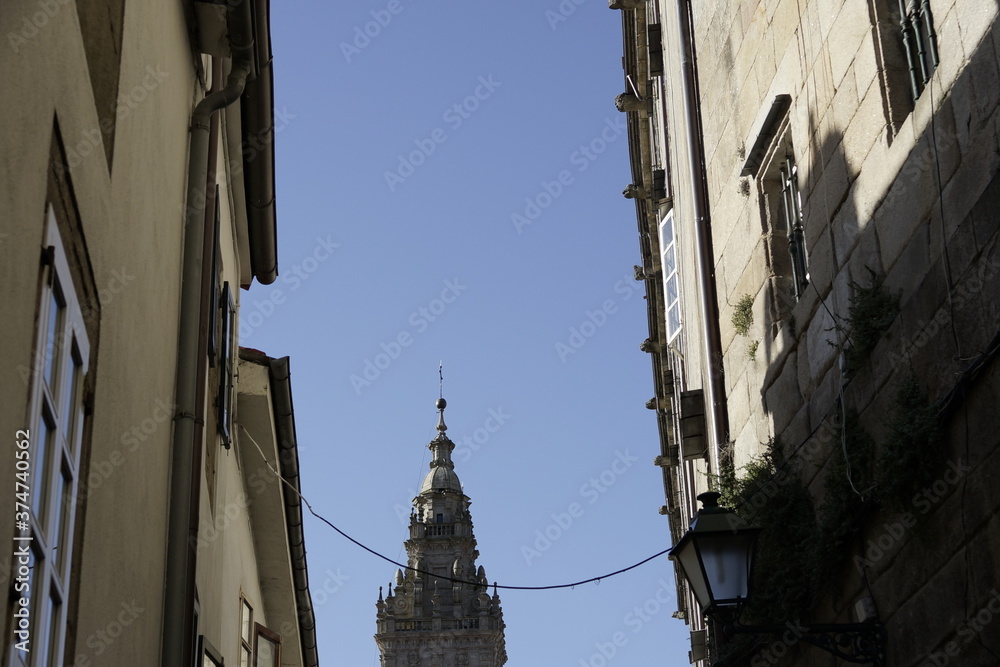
{"x": 768, "y": 494}
{"x": 752, "y": 350}
{"x": 871, "y": 312}
{"x": 911, "y": 455}
{"x": 743, "y": 315}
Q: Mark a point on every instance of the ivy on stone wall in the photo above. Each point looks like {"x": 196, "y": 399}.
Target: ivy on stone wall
{"x": 769, "y": 495}
{"x": 801, "y": 550}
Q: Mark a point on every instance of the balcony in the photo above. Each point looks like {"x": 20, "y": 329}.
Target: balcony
{"x": 486, "y": 623}
{"x": 441, "y": 530}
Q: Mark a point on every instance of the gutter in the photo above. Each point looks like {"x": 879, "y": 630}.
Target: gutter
{"x": 714, "y": 387}
{"x": 178, "y": 632}
{"x": 257, "y": 114}
{"x": 288, "y": 459}
{"x": 648, "y": 220}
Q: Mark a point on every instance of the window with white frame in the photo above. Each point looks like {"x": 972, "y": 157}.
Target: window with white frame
{"x": 246, "y": 633}
{"x": 259, "y": 646}
{"x": 671, "y": 281}
{"x": 54, "y": 433}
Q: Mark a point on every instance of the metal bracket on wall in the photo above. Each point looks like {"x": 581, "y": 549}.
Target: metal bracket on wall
{"x": 858, "y": 643}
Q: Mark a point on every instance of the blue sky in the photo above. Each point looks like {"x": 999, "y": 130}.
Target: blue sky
{"x": 449, "y": 189}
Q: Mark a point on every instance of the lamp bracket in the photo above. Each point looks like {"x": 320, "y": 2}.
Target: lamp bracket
{"x": 853, "y": 642}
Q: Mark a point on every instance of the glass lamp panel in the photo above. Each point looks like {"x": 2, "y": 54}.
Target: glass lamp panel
{"x": 688, "y": 558}
{"x": 726, "y": 559}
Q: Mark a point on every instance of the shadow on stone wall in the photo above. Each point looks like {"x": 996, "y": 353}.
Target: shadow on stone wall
{"x": 931, "y": 232}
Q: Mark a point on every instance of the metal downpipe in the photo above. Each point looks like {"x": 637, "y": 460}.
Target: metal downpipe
{"x": 715, "y": 387}
{"x": 178, "y": 605}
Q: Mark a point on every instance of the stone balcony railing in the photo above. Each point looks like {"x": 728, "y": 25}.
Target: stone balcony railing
{"x": 440, "y": 530}
{"x": 438, "y": 624}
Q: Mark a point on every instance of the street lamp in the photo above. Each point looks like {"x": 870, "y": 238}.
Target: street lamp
{"x": 716, "y": 556}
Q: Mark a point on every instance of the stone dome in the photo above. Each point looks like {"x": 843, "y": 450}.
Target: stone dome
{"x": 441, "y": 478}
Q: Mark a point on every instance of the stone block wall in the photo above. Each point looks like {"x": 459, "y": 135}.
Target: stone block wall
{"x": 909, "y": 193}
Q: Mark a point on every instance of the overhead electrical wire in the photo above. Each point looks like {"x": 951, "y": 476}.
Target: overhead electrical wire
{"x": 438, "y": 576}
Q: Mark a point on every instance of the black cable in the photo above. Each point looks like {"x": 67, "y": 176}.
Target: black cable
{"x": 479, "y": 583}
{"x": 944, "y": 234}
{"x": 438, "y": 576}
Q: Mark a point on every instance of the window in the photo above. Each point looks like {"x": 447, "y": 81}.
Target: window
{"x": 654, "y": 40}
{"x": 246, "y": 633}
{"x": 791, "y": 205}
{"x": 259, "y": 646}
{"x": 771, "y": 162}
{"x": 54, "y": 437}
{"x": 209, "y": 656}
{"x": 267, "y": 647}
{"x": 919, "y": 41}
{"x": 906, "y": 55}
{"x": 197, "y": 659}
{"x": 671, "y": 284}
{"x": 224, "y": 402}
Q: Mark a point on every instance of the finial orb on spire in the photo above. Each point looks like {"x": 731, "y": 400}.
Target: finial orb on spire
{"x": 441, "y": 427}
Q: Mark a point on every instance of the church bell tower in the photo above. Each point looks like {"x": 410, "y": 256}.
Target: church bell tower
{"x": 440, "y": 612}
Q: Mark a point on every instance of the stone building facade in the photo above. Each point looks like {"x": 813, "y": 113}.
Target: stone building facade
{"x": 440, "y": 613}
{"x": 152, "y": 528}
{"x": 817, "y": 194}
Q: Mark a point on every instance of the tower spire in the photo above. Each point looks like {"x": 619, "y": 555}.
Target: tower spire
{"x": 441, "y": 403}
{"x": 439, "y": 611}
